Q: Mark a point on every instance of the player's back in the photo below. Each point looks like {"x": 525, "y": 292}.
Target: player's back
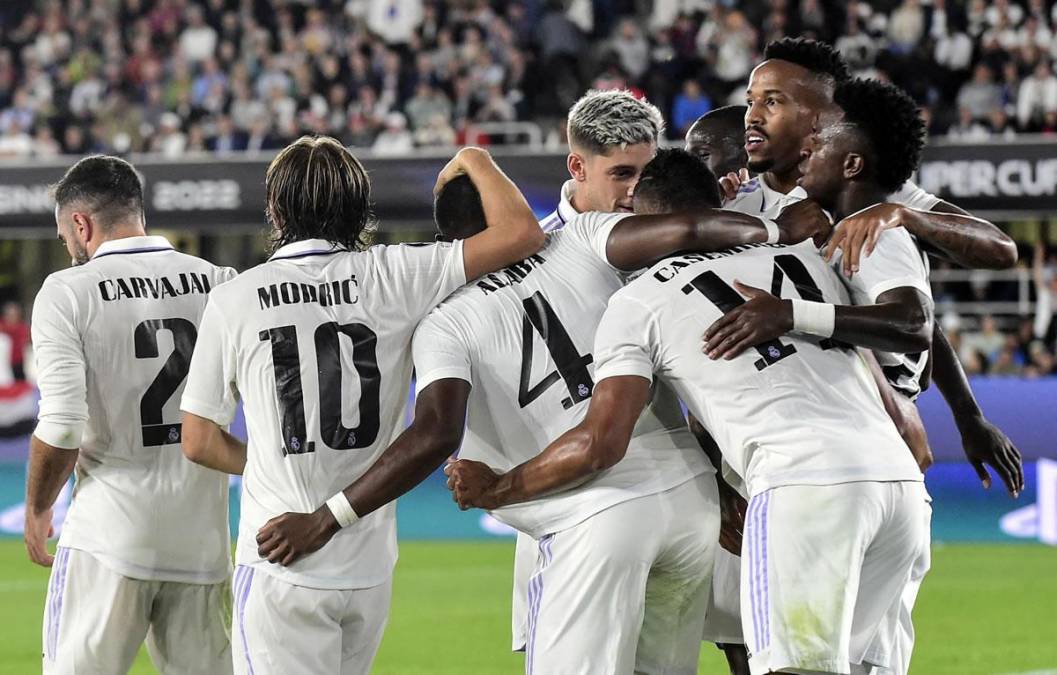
{"x": 527, "y": 333}
{"x": 138, "y": 504}
{"x": 318, "y": 342}
{"x": 794, "y": 410}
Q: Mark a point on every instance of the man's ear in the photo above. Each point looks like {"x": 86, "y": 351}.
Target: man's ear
{"x": 83, "y": 226}
{"x": 577, "y": 166}
{"x": 854, "y": 166}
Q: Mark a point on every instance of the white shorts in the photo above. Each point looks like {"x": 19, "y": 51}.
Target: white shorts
{"x": 822, "y": 568}
{"x": 279, "y": 628}
{"x": 723, "y": 618}
{"x": 96, "y": 619}
{"x": 626, "y": 590}
{"x": 525, "y": 554}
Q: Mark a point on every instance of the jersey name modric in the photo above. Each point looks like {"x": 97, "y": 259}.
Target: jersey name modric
{"x": 326, "y": 294}
{"x": 157, "y": 288}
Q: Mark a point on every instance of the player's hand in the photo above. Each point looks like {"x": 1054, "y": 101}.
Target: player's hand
{"x": 856, "y": 236}
{"x": 764, "y": 317}
{"x": 912, "y": 429}
{"x": 732, "y": 182}
{"x": 471, "y": 484}
{"x": 984, "y": 443}
{"x": 458, "y": 166}
{"x": 291, "y": 536}
{"x": 801, "y": 221}
{"x": 37, "y": 531}
{"x": 732, "y": 507}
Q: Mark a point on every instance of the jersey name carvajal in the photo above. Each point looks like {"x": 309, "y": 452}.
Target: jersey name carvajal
{"x": 896, "y": 261}
{"x": 113, "y": 340}
{"x": 318, "y": 342}
{"x": 796, "y": 410}
{"x": 523, "y": 338}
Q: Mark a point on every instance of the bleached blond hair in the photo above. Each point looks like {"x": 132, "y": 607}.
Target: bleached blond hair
{"x": 602, "y": 120}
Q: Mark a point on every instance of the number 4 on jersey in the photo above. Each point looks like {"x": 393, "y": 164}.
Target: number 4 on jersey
{"x": 571, "y": 366}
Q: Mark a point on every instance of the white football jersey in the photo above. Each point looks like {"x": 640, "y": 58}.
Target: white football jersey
{"x": 797, "y": 410}
{"x": 896, "y": 261}
{"x": 113, "y": 339}
{"x": 318, "y": 343}
{"x": 522, "y": 337}
{"x": 564, "y": 212}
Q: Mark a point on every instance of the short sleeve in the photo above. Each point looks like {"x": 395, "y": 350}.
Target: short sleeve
{"x": 440, "y": 351}
{"x": 593, "y": 230}
{"x": 61, "y": 367}
{"x": 623, "y": 343}
{"x": 912, "y": 196}
{"x": 896, "y": 262}
{"x": 211, "y": 390}
{"x": 422, "y": 275}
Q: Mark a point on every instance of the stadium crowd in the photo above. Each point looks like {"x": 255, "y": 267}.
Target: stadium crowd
{"x": 180, "y": 76}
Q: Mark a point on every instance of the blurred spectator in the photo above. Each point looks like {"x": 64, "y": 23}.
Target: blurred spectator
{"x": 395, "y": 139}
{"x": 1045, "y": 278}
{"x": 427, "y": 103}
{"x": 14, "y": 326}
{"x": 980, "y": 95}
{"x": 1000, "y": 125}
{"x": 906, "y": 27}
{"x": 393, "y": 20}
{"x": 632, "y": 49}
{"x": 985, "y": 342}
{"x": 690, "y": 104}
{"x": 226, "y": 138}
{"x": 14, "y": 141}
{"x": 1037, "y": 96}
{"x": 198, "y": 41}
{"x": 967, "y": 129}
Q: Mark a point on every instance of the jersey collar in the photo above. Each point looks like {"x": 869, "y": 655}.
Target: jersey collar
{"x": 772, "y": 196}
{"x": 129, "y": 245}
{"x": 306, "y": 248}
{"x": 566, "y": 210}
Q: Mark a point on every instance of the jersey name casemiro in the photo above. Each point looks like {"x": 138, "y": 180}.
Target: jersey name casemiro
{"x": 522, "y": 337}
{"x": 796, "y": 410}
{"x": 113, "y": 339}
{"x": 318, "y": 343}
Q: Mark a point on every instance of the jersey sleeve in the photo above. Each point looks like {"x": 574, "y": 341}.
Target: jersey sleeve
{"x": 61, "y": 367}
{"x": 895, "y": 262}
{"x": 624, "y": 343}
{"x": 421, "y": 276}
{"x": 440, "y": 351}
{"x": 593, "y": 229}
{"x": 912, "y": 196}
{"x": 211, "y": 391}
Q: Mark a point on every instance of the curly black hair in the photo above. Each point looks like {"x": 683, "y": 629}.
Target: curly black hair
{"x": 817, "y": 57}
{"x": 676, "y": 180}
{"x": 888, "y": 118}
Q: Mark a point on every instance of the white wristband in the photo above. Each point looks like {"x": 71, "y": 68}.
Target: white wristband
{"x": 341, "y": 508}
{"x": 814, "y": 318}
{"x": 773, "y": 232}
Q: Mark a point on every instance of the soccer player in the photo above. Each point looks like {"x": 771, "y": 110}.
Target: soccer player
{"x": 318, "y": 342}
{"x": 624, "y": 559}
{"x": 144, "y": 551}
{"x": 835, "y": 515}
{"x": 718, "y": 138}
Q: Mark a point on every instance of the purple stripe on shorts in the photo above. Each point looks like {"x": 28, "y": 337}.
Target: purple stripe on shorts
{"x": 56, "y": 619}
{"x": 766, "y": 575}
{"x": 536, "y": 599}
{"x": 243, "y": 597}
{"x": 48, "y": 611}
{"x": 750, "y": 568}
{"x": 761, "y": 571}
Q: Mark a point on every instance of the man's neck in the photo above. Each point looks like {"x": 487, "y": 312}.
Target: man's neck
{"x": 117, "y": 232}
{"x": 856, "y": 196}
{"x": 782, "y": 181}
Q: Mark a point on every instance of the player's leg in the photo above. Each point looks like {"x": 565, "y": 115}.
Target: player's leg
{"x": 801, "y": 564}
{"x": 723, "y": 618}
{"x": 678, "y": 586}
{"x": 278, "y": 628}
{"x": 190, "y": 628}
{"x": 366, "y": 612}
{"x": 94, "y": 618}
{"x": 525, "y": 554}
{"x": 587, "y": 595}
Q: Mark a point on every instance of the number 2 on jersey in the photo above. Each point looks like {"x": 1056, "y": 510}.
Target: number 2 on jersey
{"x": 571, "y": 366}
{"x": 169, "y": 378}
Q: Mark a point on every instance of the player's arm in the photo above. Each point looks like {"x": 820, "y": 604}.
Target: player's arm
{"x": 903, "y": 412}
{"x": 732, "y": 506}
{"x": 982, "y": 441}
{"x": 207, "y": 443}
{"x": 640, "y": 241}
{"x": 54, "y": 446}
{"x": 513, "y": 233}
{"x": 946, "y": 231}
{"x": 594, "y": 445}
{"x": 435, "y": 434}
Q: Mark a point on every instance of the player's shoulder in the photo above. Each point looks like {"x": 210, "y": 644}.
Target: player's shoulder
{"x": 912, "y": 195}
{"x": 749, "y": 192}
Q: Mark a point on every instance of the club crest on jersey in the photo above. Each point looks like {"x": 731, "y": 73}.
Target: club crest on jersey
{"x": 583, "y": 390}
{"x": 295, "y": 445}
{"x": 774, "y": 352}
{"x": 174, "y": 434}
{"x": 351, "y": 441}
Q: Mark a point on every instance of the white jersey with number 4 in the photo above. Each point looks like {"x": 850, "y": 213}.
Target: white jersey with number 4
{"x": 794, "y": 411}
{"x": 523, "y": 337}
{"x": 113, "y": 339}
{"x": 318, "y": 343}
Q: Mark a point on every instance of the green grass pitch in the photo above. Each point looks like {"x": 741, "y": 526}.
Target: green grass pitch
{"x": 984, "y": 610}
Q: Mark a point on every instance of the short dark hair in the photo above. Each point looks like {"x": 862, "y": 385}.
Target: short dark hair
{"x": 316, "y": 189}
{"x": 109, "y": 187}
{"x": 889, "y": 121}
{"x": 817, "y": 57}
{"x": 727, "y": 116}
{"x": 457, "y": 210}
{"x": 675, "y": 180}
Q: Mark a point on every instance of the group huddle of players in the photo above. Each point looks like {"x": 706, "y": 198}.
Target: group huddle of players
{"x": 786, "y": 520}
